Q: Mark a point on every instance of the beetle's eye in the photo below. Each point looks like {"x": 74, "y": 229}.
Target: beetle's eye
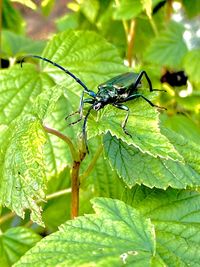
{"x": 97, "y": 106}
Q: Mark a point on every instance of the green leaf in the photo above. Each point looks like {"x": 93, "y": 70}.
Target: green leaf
{"x": 86, "y": 54}
{"x": 114, "y": 236}
{"x": 57, "y": 210}
{"x": 27, "y": 3}
{"x": 183, "y": 126}
{"x": 22, "y": 167}
{"x": 11, "y": 18}
{"x": 175, "y": 215}
{"x": 45, "y": 102}
{"x": 56, "y": 151}
{"x": 19, "y": 89}
{"x": 68, "y": 21}
{"x": 136, "y": 167}
{"x": 147, "y": 5}
{"x": 14, "y": 243}
{"x": 192, "y": 65}
{"x": 192, "y": 7}
{"x": 47, "y": 6}
{"x": 14, "y": 45}
{"x": 143, "y": 125}
{"x": 128, "y": 9}
{"x": 169, "y": 48}
{"x": 90, "y": 9}
{"x": 102, "y": 181}
{"x": 186, "y": 147}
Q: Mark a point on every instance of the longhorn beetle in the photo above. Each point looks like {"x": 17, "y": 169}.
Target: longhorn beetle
{"x": 115, "y": 91}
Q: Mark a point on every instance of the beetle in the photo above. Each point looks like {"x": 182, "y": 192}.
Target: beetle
{"x": 116, "y": 92}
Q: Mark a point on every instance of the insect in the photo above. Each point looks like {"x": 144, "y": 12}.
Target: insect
{"x": 115, "y": 92}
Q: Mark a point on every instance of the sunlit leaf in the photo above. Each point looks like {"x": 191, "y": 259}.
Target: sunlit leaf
{"x": 127, "y": 9}
{"x": 90, "y": 9}
{"x": 14, "y": 45}
{"x": 192, "y": 65}
{"x": 136, "y": 167}
{"x": 22, "y": 168}
{"x": 85, "y": 54}
{"x": 11, "y": 18}
{"x": 114, "y": 236}
{"x": 19, "y": 89}
{"x": 27, "y": 3}
{"x": 143, "y": 125}
{"x": 47, "y": 6}
{"x": 175, "y": 214}
{"x": 14, "y": 243}
{"x": 169, "y": 48}
{"x": 147, "y": 5}
{"x": 192, "y": 7}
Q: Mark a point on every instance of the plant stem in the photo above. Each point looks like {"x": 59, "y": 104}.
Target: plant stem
{"x": 58, "y": 193}
{"x": 77, "y": 159}
{"x": 169, "y": 10}
{"x": 75, "y": 189}
{"x": 10, "y": 215}
{"x": 153, "y": 25}
{"x": 6, "y": 217}
{"x": 92, "y": 163}
{"x": 130, "y": 42}
{"x": 64, "y": 138}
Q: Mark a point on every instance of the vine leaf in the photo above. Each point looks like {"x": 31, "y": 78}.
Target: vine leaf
{"x": 22, "y": 168}
{"x": 168, "y": 48}
{"x": 135, "y": 167}
{"x": 86, "y": 54}
{"x": 114, "y": 236}
{"x": 51, "y": 95}
{"x": 193, "y": 70}
{"x": 14, "y": 45}
{"x": 143, "y": 125}
{"x": 175, "y": 214}
{"x": 19, "y": 90}
{"x": 14, "y": 242}
{"x": 128, "y": 9}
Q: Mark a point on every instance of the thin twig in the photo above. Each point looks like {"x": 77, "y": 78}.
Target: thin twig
{"x": 64, "y": 138}
{"x": 92, "y": 163}
{"x": 75, "y": 189}
{"x": 130, "y": 42}
{"x": 6, "y": 217}
{"x": 58, "y": 193}
{"x": 10, "y": 215}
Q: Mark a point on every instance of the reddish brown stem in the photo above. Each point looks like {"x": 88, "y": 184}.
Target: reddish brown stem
{"x": 75, "y": 189}
{"x": 130, "y": 41}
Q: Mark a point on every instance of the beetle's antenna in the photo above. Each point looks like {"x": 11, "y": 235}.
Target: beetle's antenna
{"x": 60, "y": 67}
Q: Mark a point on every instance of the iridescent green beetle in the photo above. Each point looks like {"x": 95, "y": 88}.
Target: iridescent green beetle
{"x": 115, "y": 91}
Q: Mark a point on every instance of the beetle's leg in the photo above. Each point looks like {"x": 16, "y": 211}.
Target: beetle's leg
{"x": 146, "y": 99}
{"x": 139, "y": 78}
{"x": 123, "y": 107}
{"x": 84, "y": 128}
{"x": 80, "y": 111}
